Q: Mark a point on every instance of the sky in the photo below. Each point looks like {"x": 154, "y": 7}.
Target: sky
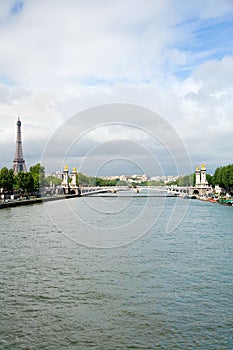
{"x": 87, "y": 77}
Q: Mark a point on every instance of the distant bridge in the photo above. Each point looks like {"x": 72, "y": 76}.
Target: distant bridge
{"x": 88, "y": 191}
{"x": 167, "y": 190}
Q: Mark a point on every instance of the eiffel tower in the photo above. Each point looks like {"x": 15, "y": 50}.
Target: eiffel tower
{"x": 19, "y": 162}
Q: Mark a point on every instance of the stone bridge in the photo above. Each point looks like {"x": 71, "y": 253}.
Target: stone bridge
{"x": 190, "y": 191}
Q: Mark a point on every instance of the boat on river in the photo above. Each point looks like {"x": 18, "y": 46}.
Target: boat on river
{"x": 226, "y": 201}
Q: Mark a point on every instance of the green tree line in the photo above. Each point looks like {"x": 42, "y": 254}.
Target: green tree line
{"x": 223, "y": 177}
{"x": 84, "y": 180}
{"x": 25, "y": 182}
{"x": 183, "y": 181}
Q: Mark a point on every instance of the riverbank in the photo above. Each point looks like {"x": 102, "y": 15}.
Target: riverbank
{"x": 222, "y": 201}
{"x": 21, "y": 202}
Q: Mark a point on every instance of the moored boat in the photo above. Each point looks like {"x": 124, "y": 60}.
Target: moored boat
{"x": 226, "y": 201}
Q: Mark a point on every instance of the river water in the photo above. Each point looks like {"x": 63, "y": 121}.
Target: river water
{"x": 107, "y": 273}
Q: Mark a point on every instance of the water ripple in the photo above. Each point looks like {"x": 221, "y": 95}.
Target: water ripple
{"x": 164, "y": 291}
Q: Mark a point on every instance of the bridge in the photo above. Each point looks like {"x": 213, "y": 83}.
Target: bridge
{"x": 189, "y": 190}
{"x": 160, "y": 190}
{"x": 182, "y": 191}
{"x": 88, "y": 191}
{"x": 201, "y": 188}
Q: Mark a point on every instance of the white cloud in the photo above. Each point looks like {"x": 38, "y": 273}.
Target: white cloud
{"x": 58, "y": 60}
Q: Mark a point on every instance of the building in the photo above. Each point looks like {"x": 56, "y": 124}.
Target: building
{"x": 19, "y": 162}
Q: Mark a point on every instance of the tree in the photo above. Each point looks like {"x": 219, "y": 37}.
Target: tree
{"x": 159, "y": 183}
{"x": 82, "y": 179}
{"x": 7, "y": 180}
{"x": 187, "y": 180}
{"x": 25, "y": 182}
{"x": 52, "y": 179}
{"x": 38, "y": 174}
{"x": 218, "y": 177}
{"x": 85, "y": 180}
{"x": 210, "y": 179}
{"x": 223, "y": 177}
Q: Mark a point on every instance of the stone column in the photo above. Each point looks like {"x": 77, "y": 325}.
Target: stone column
{"x": 65, "y": 179}
{"x": 73, "y": 178}
{"x": 198, "y": 176}
{"x": 203, "y": 175}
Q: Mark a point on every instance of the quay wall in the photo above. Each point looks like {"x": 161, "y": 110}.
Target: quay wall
{"x": 16, "y": 203}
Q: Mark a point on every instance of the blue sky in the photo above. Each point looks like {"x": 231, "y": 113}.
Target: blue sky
{"x": 211, "y": 39}
{"x": 16, "y": 7}
{"x": 173, "y": 57}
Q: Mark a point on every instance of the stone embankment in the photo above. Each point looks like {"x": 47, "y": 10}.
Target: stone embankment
{"x": 15, "y": 203}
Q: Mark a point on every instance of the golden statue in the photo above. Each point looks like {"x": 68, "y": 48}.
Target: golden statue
{"x": 197, "y": 168}
{"x": 66, "y": 167}
{"x": 74, "y": 170}
{"x": 203, "y": 166}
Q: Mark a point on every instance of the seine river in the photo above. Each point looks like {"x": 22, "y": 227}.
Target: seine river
{"x": 107, "y": 273}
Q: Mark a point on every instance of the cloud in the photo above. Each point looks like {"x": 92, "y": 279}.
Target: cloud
{"x": 172, "y": 57}
{"x": 86, "y": 42}
{"x": 82, "y": 42}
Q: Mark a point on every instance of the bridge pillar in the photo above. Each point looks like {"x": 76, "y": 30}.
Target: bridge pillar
{"x": 65, "y": 179}
{"x": 71, "y": 188}
{"x": 198, "y": 176}
{"x": 73, "y": 178}
{"x": 73, "y": 184}
{"x": 203, "y": 175}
